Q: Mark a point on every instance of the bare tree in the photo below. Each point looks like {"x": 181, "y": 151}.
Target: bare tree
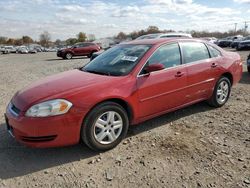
{"x": 45, "y": 39}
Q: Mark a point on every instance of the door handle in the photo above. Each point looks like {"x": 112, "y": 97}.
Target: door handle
{"x": 214, "y": 65}
{"x": 179, "y": 74}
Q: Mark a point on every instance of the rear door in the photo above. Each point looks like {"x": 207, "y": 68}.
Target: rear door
{"x": 201, "y": 70}
{"x": 82, "y": 49}
{"x": 165, "y": 89}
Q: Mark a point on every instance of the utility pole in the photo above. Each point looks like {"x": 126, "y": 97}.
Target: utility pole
{"x": 235, "y": 28}
{"x": 245, "y": 30}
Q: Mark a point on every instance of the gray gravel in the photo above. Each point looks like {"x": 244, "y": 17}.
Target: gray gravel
{"x": 198, "y": 146}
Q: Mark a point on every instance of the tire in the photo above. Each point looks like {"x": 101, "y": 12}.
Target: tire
{"x": 248, "y": 69}
{"x": 68, "y": 56}
{"x": 222, "y": 86}
{"x": 90, "y": 55}
{"x": 104, "y": 136}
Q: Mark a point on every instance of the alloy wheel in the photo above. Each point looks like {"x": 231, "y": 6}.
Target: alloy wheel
{"x": 108, "y": 127}
{"x": 222, "y": 92}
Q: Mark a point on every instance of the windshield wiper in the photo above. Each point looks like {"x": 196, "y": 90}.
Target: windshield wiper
{"x": 97, "y": 72}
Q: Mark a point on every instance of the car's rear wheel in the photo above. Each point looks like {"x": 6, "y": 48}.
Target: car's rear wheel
{"x": 221, "y": 92}
{"x": 105, "y": 126}
{"x": 68, "y": 56}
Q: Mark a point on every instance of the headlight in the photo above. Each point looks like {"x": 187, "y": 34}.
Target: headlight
{"x": 49, "y": 108}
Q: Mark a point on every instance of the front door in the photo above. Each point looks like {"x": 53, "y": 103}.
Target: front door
{"x": 165, "y": 89}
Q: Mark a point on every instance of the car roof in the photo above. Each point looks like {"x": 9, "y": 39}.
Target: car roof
{"x": 159, "y": 35}
{"x": 163, "y": 40}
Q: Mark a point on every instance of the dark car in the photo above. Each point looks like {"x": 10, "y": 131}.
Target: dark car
{"x": 94, "y": 55}
{"x": 248, "y": 63}
{"x": 79, "y": 49}
{"x": 244, "y": 45}
{"x": 236, "y": 42}
{"x": 226, "y": 42}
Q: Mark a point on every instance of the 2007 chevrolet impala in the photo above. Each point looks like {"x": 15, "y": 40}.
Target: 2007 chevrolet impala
{"x": 125, "y": 85}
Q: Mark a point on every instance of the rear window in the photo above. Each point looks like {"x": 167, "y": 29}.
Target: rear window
{"x": 194, "y": 51}
{"x": 214, "y": 52}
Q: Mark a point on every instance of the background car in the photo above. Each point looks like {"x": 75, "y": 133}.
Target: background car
{"x": 210, "y": 39}
{"x": 248, "y": 63}
{"x": 3, "y": 50}
{"x": 243, "y": 45}
{"x": 32, "y": 50}
{"x": 236, "y": 42}
{"x": 11, "y": 49}
{"x": 23, "y": 50}
{"x": 79, "y": 49}
{"x": 226, "y": 42}
{"x": 164, "y": 35}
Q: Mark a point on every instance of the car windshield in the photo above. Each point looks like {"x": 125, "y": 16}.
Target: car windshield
{"x": 117, "y": 61}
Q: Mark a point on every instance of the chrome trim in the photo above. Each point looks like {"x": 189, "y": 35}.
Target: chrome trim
{"x": 141, "y": 75}
{"x": 11, "y": 133}
{"x": 12, "y": 111}
{"x": 182, "y": 60}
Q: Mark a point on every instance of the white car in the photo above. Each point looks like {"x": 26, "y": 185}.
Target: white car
{"x": 164, "y": 35}
{"x": 11, "y": 49}
{"x": 23, "y": 50}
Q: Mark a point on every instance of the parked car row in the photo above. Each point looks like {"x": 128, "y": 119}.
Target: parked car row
{"x": 238, "y": 42}
{"x": 248, "y": 63}
{"x": 25, "y": 49}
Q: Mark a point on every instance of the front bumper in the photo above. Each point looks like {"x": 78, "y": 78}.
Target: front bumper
{"x": 46, "y": 132}
{"x": 59, "y": 54}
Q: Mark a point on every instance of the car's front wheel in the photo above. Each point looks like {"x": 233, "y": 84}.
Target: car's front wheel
{"x": 68, "y": 56}
{"x": 105, "y": 126}
{"x": 221, "y": 92}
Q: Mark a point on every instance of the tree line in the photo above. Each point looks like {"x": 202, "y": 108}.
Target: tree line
{"x": 197, "y": 34}
{"x": 45, "y": 37}
{"x": 45, "y": 40}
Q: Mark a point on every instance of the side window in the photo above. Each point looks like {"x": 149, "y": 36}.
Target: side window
{"x": 214, "y": 52}
{"x": 82, "y": 45}
{"x": 194, "y": 51}
{"x": 168, "y": 55}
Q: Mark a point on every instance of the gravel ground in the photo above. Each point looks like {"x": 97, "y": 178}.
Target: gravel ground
{"x": 198, "y": 146}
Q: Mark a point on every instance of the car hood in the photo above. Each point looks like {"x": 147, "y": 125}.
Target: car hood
{"x": 57, "y": 86}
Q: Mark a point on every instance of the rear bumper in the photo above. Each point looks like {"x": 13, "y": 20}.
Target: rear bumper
{"x": 47, "y": 132}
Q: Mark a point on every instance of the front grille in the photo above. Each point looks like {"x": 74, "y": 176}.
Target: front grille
{"x": 38, "y": 139}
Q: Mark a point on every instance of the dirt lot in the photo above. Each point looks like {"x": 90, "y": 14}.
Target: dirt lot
{"x": 198, "y": 146}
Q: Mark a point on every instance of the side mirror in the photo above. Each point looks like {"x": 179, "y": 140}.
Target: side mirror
{"x": 154, "y": 67}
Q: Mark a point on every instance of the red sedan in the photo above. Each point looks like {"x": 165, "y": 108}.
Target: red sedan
{"x": 125, "y": 85}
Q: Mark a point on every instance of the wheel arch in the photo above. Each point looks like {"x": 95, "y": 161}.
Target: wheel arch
{"x": 229, "y": 76}
{"x": 126, "y": 106}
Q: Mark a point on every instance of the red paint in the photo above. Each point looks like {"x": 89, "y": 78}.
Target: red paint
{"x": 86, "y": 50}
{"x": 147, "y": 96}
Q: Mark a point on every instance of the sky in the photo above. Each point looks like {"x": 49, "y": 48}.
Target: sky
{"x": 105, "y": 18}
